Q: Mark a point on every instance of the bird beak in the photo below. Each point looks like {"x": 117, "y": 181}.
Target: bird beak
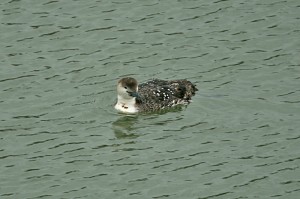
{"x": 133, "y": 94}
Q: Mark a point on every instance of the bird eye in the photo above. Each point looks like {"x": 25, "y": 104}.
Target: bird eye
{"x": 125, "y": 87}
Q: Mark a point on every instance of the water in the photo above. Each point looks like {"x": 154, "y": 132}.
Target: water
{"x": 61, "y": 138}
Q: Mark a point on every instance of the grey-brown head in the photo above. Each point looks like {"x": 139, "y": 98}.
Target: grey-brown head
{"x": 127, "y": 88}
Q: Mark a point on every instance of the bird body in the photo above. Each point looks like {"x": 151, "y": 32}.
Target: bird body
{"x": 153, "y": 95}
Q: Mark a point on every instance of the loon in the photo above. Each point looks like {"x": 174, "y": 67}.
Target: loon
{"x": 153, "y": 95}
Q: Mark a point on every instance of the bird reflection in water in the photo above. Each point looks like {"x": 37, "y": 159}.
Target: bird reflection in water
{"x": 124, "y": 126}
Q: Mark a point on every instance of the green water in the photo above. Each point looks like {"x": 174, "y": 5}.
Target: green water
{"x": 60, "y": 136}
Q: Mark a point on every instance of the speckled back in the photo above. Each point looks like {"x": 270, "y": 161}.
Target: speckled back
{"x": 160, "y": 94}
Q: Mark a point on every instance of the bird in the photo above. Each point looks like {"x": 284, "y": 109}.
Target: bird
{"x": 152, "y": 95}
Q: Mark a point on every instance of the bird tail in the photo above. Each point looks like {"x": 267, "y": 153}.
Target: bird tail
{"x": 184, "y": 89}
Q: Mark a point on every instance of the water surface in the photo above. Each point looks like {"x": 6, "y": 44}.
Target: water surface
{"x": 61, "y": 138}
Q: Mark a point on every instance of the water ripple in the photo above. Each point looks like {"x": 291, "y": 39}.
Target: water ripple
{"x": 61, "y": 138}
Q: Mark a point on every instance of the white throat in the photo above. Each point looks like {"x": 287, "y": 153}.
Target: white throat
{"x": 126, "y": 105}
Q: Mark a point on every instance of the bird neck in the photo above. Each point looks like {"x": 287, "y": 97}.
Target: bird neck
{"x": 126, "y": 105}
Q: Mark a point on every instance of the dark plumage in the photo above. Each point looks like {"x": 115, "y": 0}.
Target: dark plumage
{"x": 159, "y": 94}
